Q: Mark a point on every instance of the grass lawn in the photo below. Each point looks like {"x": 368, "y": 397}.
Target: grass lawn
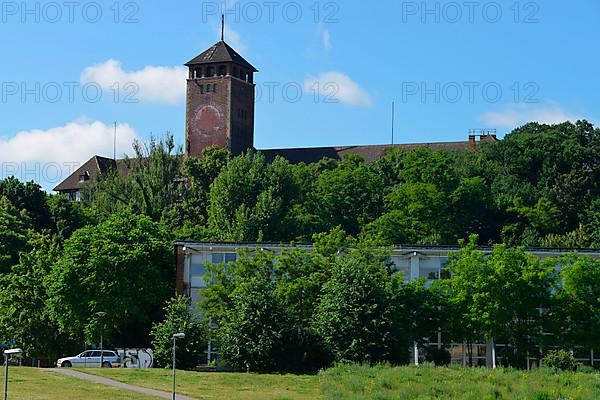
{"x": 230, "y": 386}
{"x": 424, "y": 382}
{"x": 37, "y": 384}
{"x": 339, "y": 383}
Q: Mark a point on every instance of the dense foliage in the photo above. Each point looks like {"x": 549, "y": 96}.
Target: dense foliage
{"x": 123, "y": 265}
{"x": 302, "y": 310}
{"x": 342, "y": 304}
{"x": 539, "y": 186}
{"x": 560, "y": 360}
{"x": 60, "y": 262}
{"x": 189, "y": 350}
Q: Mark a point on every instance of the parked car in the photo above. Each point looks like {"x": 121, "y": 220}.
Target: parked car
{"x": 90, "y": 358}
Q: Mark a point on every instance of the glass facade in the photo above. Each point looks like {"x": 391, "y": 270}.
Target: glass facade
{"x": 427, "y": 263}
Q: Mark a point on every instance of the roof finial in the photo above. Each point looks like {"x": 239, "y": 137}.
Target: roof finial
{"x": 222, "y": 27}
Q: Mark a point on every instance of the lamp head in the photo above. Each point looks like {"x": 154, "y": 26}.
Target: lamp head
{"x": 179, "y": 336}
{"x": 101, "y": 314}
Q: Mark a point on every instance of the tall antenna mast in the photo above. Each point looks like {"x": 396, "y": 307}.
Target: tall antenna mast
{"x": 393, "y": 115}
{"x": 222, "y": 27}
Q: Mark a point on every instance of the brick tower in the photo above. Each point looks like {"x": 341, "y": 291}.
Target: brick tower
{"x": 220, "y": 101}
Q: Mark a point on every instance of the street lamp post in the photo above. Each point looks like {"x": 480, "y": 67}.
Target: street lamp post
{"x": 101, "y": 315}
{"x": 12, "y": 352}
{"x": 175, "y": 337}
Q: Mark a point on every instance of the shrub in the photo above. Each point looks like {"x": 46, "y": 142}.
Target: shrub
{"x": 440, "y": 357}
{"x": 560, "y": 360}
{"x": 179, "y": 318}
{"x": 586, "y": 369}
{"x": 354, "y": 318}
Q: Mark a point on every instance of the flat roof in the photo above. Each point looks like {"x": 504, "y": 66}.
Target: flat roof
{"x": 395, "y": 248}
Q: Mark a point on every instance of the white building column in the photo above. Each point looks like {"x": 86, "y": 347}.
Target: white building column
{"x": 416, "y": 353}
{"x": 490, "y": 354}
{"x": 415, "y": 266}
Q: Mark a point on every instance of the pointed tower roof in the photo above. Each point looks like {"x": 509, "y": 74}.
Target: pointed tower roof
{"x": 219, "y": 53}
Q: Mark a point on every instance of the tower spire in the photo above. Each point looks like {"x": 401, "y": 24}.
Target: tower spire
{"x": 222, "y": 27}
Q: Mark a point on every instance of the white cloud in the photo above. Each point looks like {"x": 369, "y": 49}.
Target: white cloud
{"x": 338, "y": 86}
{"x": 155, "y": 84}
{"x": 49, "y": 156}
{"x": 514, "y": 116}
{"x": 74, "y": 142}
{"x": 327, "y": 40}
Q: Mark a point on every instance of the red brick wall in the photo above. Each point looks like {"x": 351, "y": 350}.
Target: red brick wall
{"x": 207, "y": 115}
{"x": 242, "y": 116}
{"x": 224, "y": 119}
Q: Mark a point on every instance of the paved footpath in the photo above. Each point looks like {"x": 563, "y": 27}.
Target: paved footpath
{"x": 120, "y": 385}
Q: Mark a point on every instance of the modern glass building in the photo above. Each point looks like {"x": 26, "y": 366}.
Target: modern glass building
{"x": 414, "y": 262}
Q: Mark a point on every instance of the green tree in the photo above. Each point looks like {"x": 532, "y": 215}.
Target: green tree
{"x": 473, "y": 210}
{"x": 592, "y": 220}
{"x": 251, "y": 331}
{"x": 151, "y": 185}
{"x": 499, "y": 295}
{"x": 424, "y": 165}
{"x": 576, "y": 309}
{"x": 421, "y": 312}
{"x": 430, "y": 202}
{"x": 67, "y": 216}
{"x": 349, "y": 196}
{"x": 189, "y": 217}
{"x": 389, "y": 168}
{"x": 30, "y": 197}
{"x": 179, "y": 318}
{"x": 417, "y": 215}
{"x": 123, "y": 266}
{"x": 354, "y": 317}
{"x": 531, "y": 223}
{"x": 300, "y": 275}
{"x": 251, "y": 200}
{"x": 289, "y": 283}
{"x": 16, "y": 231}
{"x": 557, "y": 163}
{"x": 23, "y": 300}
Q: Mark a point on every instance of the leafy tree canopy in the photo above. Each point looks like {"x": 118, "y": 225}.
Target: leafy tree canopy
{"x": 123, "y": 266}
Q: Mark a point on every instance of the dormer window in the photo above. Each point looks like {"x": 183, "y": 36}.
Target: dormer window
{"x": 84, "y": 177}
{"x": 210, "y": 71}
{"x": 222, "y": 70}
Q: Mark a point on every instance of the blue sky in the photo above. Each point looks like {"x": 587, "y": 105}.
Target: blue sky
{"x": 329, "y": 71}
